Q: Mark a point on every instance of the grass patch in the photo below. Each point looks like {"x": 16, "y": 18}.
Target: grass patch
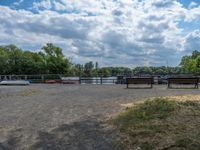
{"x": 160, "y": 123}
{"x": 28, "y": 93}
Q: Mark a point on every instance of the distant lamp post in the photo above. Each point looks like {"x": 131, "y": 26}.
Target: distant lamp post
{"x": 167, "y": 67}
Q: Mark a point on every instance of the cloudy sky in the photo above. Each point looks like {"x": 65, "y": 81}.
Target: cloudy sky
{"x": 113, "y": 32}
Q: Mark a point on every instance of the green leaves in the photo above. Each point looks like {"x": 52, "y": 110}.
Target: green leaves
{"x": 16, "y": 61}
{"x": 191, "y": 64}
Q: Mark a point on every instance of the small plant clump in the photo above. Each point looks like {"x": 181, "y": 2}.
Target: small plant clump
{"x": 162, "y": 124}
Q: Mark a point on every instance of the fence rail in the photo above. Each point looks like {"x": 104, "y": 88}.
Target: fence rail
{"x": 43, "y": 78}
{"x": 97, "y": 81}
{"x": 59, "y": 78}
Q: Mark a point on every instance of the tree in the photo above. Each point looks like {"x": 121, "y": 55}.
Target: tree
{"x": 105, "y": 72}
{"x": 56, "y": 62}
{"x": 4, "y": 66}
{"x": 15, "y": 58}
{"x": 191, "y": 64}
{"x": 17, "y": 61}
{"x": 88, "y": 67}
{"x": 195, "y": 54}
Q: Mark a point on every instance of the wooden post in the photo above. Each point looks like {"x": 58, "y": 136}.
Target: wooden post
{"x": 168, "y": 84}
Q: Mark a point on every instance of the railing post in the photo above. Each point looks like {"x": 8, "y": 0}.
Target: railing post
{"x": 168, "y": 84}
{"x": 42, "y": 77}
{"x": 79, "y": 80}
{"x": 101, "y": 80}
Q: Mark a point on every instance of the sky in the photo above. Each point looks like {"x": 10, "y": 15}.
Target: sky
{"x": 125, "y": 33}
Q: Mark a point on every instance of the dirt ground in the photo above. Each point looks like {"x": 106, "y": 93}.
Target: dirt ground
{"x": 68, "y": 117}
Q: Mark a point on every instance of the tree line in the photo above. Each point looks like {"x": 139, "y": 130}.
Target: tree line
{"x": 51, "y": 60}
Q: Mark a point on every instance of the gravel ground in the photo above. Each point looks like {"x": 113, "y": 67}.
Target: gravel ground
{"x": 70, "y": 117}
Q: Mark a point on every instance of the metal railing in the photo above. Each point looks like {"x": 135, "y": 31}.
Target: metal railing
{"x": 100, "y": 80}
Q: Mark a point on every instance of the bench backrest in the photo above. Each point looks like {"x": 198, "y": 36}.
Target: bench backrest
{"x": 183, "y": 80}
{"x": 139, "y": 80}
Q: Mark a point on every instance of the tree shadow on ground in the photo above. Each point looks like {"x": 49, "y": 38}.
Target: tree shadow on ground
{"x": 12, "y": 141}
{"x": 87, "y": 134}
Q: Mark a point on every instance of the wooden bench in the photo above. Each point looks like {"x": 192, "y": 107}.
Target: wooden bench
{"x": 148, "y": 81}
{"x": 189, "y": 80}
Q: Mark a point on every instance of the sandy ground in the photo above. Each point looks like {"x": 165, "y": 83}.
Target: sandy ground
{"x": 68, "y": 117}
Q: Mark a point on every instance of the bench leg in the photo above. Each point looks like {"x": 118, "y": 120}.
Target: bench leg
{"x": 197, "y": 85}
{"x": 168, "y": 85}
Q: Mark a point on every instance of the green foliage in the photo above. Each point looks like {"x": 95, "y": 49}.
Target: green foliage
{"x": 88, "y": 68}
{"x": 147, "y": 125}
{"x": 16, "y": 61}
{"x": 150, "y": 109}
{"x": 56, "y": 63}
{"x": 105, "y": 72}
{"x": 51, "y": 60}
{"x": 191, "y": 64}
{"x": 163, "y": 70}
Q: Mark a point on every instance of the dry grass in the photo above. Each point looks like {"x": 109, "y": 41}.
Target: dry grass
{"x": 170, "y": 123}
{"x": 28, "y": 93}
{"x": 175, "y": 98}
{"x": 185, "y": 98}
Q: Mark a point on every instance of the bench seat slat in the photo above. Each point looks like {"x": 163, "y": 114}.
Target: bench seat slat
{"x": 139, "y": 81}
{"x": 191, "y": 80}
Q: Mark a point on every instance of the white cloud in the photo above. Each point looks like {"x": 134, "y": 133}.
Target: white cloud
{"x": 192, "y": 5}
{"x": 123, "y": 32}
{"x": 44, "y": 4}
{"x": 18, "y": 2}
{"x": 192, "y": 41}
